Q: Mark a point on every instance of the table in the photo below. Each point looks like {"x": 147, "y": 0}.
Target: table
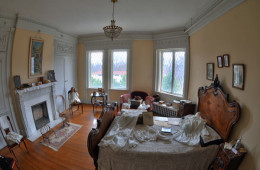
{"x": 96, "y": 102}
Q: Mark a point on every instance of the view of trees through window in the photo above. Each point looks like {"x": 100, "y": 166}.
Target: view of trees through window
{"x": 96, "y": 63}
{"x": 172, "y": 62}
{"x": 119, "y": 69}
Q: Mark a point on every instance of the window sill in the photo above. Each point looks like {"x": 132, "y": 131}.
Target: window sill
{"x": 175, "y": 97}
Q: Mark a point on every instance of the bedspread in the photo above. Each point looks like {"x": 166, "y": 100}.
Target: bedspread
{"x": 145, "y": 148}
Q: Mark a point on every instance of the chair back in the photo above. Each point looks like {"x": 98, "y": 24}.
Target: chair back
{"x": 59, "y": 106}
{"x": 6, "y": 125}
{"x": 142, "y": 94}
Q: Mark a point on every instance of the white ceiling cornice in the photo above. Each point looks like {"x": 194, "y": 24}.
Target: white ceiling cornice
{"x": 210, "y": 15}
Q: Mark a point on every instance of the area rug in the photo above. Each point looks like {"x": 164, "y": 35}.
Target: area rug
{"x": 62, "y": 135}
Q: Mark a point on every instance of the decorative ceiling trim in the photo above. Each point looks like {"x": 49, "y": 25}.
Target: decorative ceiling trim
{"x": 220, "y": 9}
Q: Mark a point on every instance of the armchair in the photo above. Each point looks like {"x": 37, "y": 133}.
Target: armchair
{"x": 125, "y": 98}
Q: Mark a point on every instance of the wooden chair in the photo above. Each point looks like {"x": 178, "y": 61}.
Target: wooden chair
{"x": 64, "y": 113}
{"x": 11, "y": 144}
{"x": 72, "y": 104}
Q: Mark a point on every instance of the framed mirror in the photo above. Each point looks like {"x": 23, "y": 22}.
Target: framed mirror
{"x": 35, "y": 57}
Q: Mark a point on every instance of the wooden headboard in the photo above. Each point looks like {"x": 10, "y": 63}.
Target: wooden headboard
{"x": 214, "y": 107}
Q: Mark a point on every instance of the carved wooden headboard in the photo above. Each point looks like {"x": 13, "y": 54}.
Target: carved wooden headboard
{"x": 215, "y": 108}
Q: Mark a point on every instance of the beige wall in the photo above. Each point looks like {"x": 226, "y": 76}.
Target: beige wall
{"x": 236, "y": 33}
{"x": 20, "y": 54}
{"x": 81, "y": 70}
{"x": 142, "y": 69}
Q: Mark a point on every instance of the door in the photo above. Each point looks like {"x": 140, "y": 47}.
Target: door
{"x": 60, "y": 77}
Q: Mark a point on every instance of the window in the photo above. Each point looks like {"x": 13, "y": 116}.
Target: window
{"x": 171, "y": 71}
{"x": 119, "y": 69}
{"x": 95, "y": 69}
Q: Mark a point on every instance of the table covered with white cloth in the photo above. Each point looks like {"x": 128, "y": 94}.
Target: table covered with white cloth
{"x": 127, "y": 146}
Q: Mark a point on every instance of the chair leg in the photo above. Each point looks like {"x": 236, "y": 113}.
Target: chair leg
{"x": 11, "y": 150}
{"x": 25, "y": 145}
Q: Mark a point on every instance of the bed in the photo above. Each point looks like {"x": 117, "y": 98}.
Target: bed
{"x": 213, "y": 106}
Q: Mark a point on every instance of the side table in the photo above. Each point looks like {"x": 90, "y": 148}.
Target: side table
{"x": 227, "y": 159}
{"x": 95, "y": 102}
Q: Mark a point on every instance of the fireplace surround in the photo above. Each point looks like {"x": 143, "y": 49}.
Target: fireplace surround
{"x": 30, "y": 97}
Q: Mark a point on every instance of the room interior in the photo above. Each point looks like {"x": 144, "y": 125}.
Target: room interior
{"x": 206, "y": 30}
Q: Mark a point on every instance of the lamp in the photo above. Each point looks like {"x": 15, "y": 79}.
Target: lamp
{"x": 112, "y": 31}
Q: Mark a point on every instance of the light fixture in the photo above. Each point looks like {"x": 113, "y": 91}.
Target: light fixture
{"x": 112, "y": 31}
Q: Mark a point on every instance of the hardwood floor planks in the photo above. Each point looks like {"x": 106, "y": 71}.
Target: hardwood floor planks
{"x": 73, "y": 155}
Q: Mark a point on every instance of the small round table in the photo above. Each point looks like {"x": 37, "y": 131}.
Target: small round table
{"x": 95, "y": 102}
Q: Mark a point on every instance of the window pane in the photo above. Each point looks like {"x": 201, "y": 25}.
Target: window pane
{"x": 166, "y": 71}
{"x": 119, "y": 69}
{"x": 96, "y": 60}
{"x": 179, "y": 73}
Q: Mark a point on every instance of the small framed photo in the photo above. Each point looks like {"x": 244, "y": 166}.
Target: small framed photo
{"x": 226, "y": 60}
{"x": 238, "y": 76}
{"x": 17, "y": 82}
{"x": 210, "y": 71}
{"x": 220, "y": 61}
{"x": 51, "y": 75}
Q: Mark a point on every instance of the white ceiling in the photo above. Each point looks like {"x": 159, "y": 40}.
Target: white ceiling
{"x": 86, "y": 17}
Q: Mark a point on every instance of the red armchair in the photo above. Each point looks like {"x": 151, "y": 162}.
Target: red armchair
{"x": 148, "y": 99}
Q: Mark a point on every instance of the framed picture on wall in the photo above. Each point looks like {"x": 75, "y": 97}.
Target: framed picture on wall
{"x": 51, "y": 75}
{"x": 226, "y": 60}
{"x": 220, "y": 61}
{"x": 17, "y": 82}
{"x": 210, "y": 71}
{"x": 238, "y": 76}
{"x": 35, "y": 58}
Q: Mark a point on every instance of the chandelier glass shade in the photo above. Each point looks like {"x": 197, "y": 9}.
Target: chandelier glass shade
{"x": 112, "y": 31}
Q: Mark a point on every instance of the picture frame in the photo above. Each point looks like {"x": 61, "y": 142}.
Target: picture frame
{"x": 51, "y": 75}
{"x": 226, "y": 60}
{"x": 220, "y": 61}
{"x": 35, "y": 58}
{"x": 238, "y": 76}
{"x": 210, "y": 71}
{"x": 17, "y": 82}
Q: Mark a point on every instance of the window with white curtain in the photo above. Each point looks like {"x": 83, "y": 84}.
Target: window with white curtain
{"x": 170, "y": 64}
{"x": 95, "y": 77}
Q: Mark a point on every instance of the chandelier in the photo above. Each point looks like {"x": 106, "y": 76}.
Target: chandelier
{"x": 112, "y": 31}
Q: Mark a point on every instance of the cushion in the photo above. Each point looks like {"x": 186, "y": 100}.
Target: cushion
{"x": 135, "y": 104}
{"x": 210, "y": 138}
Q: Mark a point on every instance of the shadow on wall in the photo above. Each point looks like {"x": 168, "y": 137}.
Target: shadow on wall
{"x": 244, "y": 123}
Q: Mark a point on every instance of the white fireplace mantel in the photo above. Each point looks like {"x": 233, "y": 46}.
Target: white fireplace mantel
{"x": 28, "y": 97}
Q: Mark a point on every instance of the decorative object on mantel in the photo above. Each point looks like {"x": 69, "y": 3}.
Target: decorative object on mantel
{"x": 62, "y": 135}
{"x": 17, "y": 82}
{"x": 112, "y": 31}
{"x": 35, "y": 58}
{"x": 238, "y": 76}
{"x": 210, "y": 71}
{"x": 226, "y": 60}
{"x": 51, "y": 75}
{"x": 220, "y": 61}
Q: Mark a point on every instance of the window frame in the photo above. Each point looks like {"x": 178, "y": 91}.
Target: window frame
{"x": 89, "y": 68}
{"x": 158, "y": 72}
{"x": 110, "y": 69}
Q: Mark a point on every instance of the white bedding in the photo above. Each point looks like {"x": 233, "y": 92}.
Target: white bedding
{"x": 128, "y": 146}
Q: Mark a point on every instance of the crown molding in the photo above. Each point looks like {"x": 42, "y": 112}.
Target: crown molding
{"x": 27, "y": 24}
{"x": 211, "y": 14}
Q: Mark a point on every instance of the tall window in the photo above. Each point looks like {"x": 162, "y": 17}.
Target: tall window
{"x": 95, "y": 69}
{"x": 171, "y": 71}
{"x": 119, "y": 69}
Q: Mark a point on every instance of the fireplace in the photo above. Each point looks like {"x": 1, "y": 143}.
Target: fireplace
{"x": 37, "y": 108}
{"x": 40, "y": 115}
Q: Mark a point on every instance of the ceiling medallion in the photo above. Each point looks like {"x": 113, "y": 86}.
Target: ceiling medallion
{"x": 112, "y": 31}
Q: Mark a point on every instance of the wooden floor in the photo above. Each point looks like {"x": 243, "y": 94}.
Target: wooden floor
{"x": 72, "y": 155}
